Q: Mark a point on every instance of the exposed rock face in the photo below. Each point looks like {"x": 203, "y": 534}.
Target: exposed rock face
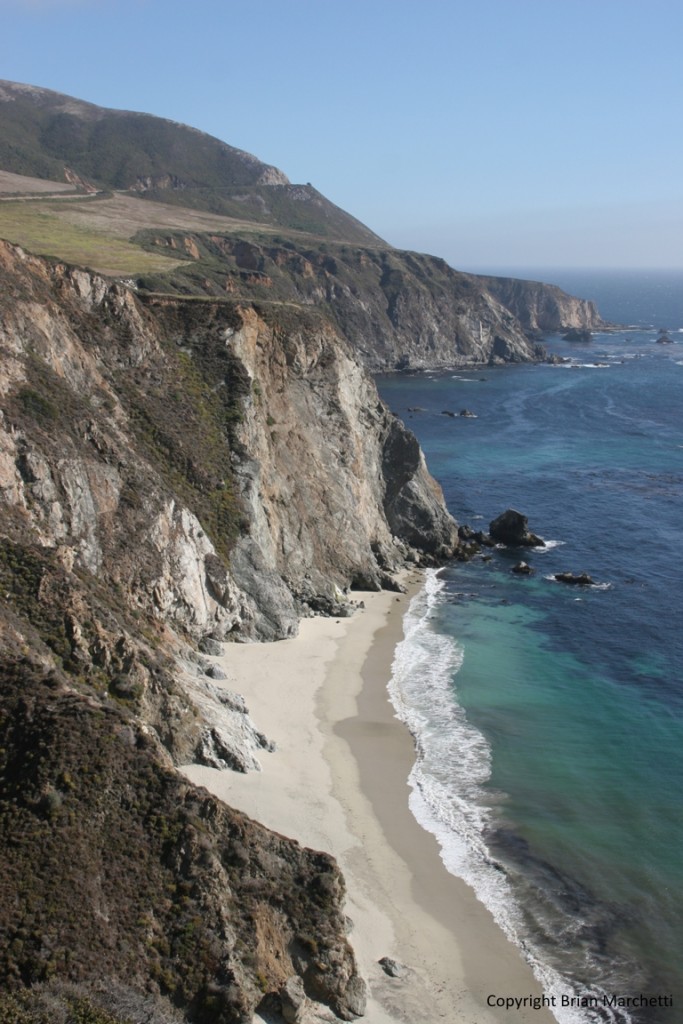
{"x": 543, "y": 308}
{"x": 326, "y": 460}
{"x": 177, "y": 895}
{"x": 396, "y": 309}
{"x": 205, "y": 459}
{"x": 173, "y": 472}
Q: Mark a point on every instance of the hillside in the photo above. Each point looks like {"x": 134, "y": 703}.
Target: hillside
{"x": 224, "y": 225}
{"x": 46, "y": 135}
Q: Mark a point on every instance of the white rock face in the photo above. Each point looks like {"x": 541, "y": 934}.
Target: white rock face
{"x": 325, "y": 482}
{"x": 181, "y": 591}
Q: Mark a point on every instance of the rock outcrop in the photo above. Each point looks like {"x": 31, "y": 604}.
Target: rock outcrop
{"x": 543, "y": 308}
{"x": 581, "y": 579}
{"x": 207, "y": 459}
{"x": 398, "y": 310}
{"x": 122, "y": 878}
{"x": 512, "y": 529}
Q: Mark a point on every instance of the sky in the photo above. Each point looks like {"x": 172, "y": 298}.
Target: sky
{"x": 493, "y": 133}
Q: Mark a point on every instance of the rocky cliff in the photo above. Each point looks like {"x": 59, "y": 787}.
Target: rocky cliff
{"x": 173, "y": 473}
{"x": 396, "y": 309}
{"x": 543, "y": 308}
{"x": 246, "y": 233}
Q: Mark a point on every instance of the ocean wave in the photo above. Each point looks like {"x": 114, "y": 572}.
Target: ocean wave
{"x": 548, "y": 546}
{"x": 448, "y": 798}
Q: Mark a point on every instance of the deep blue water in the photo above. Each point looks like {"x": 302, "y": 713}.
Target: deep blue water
{"x": 550, "y": 717}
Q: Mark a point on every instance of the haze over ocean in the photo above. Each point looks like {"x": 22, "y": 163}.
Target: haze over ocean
{"x": 550, "y": 717}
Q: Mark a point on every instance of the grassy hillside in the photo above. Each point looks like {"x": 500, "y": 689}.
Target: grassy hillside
{"x": 40, "y": 228}
{"x": 44, "y": 130}
{"x": 46, "y": 135}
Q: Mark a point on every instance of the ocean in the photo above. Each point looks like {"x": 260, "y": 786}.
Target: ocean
{"x": 548, "y": 718}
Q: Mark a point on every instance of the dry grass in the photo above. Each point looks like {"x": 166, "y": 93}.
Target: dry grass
{"x": 15, "y": 184}
{"x": 95, "y": 231}
{"x": 41, "y": 229}
{"x": 123, "y": 215}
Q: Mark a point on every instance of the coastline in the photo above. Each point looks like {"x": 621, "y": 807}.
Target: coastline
{"x": 337, "y": 781}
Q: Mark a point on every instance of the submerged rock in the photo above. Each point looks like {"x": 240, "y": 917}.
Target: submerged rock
{"x": 578, "y": 334}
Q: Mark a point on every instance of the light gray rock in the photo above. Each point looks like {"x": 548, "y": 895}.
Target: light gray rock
{"x": 215, "y": 672}
{"x": 391, "y": 967}
{"x": 207, "y": 645}
{"x": 293, "y": 1000}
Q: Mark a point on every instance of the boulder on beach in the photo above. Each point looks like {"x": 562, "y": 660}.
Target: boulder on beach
{"x": 391, "y": 967}
{"x": 511, "y": 529}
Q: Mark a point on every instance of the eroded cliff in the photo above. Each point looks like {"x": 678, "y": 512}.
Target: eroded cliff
{"x": 396, "y": 309}
{"x": 173, "y": 473}
{"x": 543, "y": 308}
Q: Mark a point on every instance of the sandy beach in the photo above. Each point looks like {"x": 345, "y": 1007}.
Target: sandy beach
{"x": 338, "y": 782}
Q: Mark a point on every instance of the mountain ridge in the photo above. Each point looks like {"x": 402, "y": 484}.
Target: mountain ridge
{"x": 48, "y": 135}
{"x": 398, "y": 309}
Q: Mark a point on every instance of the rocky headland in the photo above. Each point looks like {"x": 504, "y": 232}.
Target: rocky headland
{"x": 192, "y": 454}
{"x": 173, "y": 474}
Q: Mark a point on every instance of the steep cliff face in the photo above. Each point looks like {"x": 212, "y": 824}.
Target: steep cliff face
{"x": 396, "y": 309}
{"x": 157, "y": 443}
{"x": 173, "y": 473}
{"x": 324, "y": 462}
{"x": 543, "y": 308}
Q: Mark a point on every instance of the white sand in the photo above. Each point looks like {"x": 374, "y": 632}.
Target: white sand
{"x": 337, "y": 782}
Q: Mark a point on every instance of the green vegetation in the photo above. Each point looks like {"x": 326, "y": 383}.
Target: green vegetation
{"x": 172, "y": 163}
{"x": 47, "y": 401}
{"x": 26, "y": 575}
{"x": 44, "y": 232}
{"x": 39, "y": 1006}
{"x": 115, "y": 863}
{"x": 184, "y": 411}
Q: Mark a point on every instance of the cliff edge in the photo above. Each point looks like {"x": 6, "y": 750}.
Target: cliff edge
{"x": 174, "y": 473}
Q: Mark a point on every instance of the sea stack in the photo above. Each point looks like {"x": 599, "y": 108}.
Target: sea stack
{"x": 511, "y": 528}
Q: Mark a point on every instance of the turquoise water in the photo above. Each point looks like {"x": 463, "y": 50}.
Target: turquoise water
{"x": 549, "y": 717}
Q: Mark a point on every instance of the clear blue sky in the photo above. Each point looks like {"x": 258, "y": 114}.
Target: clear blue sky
{"x": 494, "y": 133}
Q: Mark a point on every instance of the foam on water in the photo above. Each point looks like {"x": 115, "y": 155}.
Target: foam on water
{"x": 548, "y": 546}
{"x": 448, "y": 798}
